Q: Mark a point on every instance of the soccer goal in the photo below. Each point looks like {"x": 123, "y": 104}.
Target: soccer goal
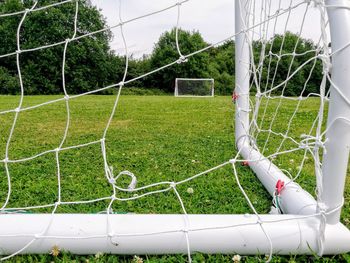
{"x": 194, "y": 87}
{"x": 300, "y": 156}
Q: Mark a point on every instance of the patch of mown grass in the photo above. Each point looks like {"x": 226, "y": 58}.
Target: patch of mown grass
{"x": 158, "y": 138}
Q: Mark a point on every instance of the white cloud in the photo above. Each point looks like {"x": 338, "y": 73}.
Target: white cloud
{"x": 213, "y": 19}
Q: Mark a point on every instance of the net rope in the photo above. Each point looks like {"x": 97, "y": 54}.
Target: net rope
{"x": 260, "y": 26}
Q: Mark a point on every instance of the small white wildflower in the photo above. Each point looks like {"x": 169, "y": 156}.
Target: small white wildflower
{"x": 190, "y": 190}
{"x": 236, "y": 258}
{"x": 137, "y": 259}
{"x": 98, "y": 255}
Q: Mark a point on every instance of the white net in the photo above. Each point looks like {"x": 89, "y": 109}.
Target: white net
{"x": 194, "y": 87}
{"x": 288, "y": 74}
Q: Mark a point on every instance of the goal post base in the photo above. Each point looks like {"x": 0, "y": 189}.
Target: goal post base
{"x": 293, "y": 198}
{"x": 166, "y": 234}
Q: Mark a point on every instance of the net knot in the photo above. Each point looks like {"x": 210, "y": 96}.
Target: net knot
{"x": 133, "y": 182}
{"x": 310, "y": 141}
{"x": 111, "y": 181}
{"x": 18, "y": 109}
{"x": 182, "y": 59}
{"x": 326, "y": 61}
{"x": 172, "y": 184}
{"x": 316, "y": 3}
{"x": 322, "y": 208}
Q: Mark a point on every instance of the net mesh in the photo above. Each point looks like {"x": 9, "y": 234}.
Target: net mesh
{"x": 279, "y": 110}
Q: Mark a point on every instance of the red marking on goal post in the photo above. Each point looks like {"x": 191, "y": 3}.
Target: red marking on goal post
{"x": 234, "y": 97}
{"x": 245, "y": 163}
{"x": 279, "y": 186}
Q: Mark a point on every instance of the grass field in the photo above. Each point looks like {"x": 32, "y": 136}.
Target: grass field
{"x": 158, "y": 138}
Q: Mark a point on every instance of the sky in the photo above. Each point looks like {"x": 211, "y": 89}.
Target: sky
{"x": 214, "y": 19}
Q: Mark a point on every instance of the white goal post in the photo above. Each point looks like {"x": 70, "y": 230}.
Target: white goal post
{"x": 194, "y": 87}
{"x": 303, "y": 224}
{"x": 331, "y": 175}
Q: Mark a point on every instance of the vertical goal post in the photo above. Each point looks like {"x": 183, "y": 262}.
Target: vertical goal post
{"x": 331, "y": 176}
{"x": 302, "y": 225}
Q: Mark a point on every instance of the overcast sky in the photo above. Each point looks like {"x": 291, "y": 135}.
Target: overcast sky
{"x": 213, "y": 18}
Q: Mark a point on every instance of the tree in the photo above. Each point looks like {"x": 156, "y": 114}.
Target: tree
{"x": 89, "y": 62}
{"x": 165, "y": 52}
{"x": 222, "y": 67}
{"x": 275, "y": 69}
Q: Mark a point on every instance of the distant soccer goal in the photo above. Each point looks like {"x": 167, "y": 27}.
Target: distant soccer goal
{"x": 194, "y": 87}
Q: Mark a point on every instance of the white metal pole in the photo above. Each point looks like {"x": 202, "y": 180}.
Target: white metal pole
{"x": 242, "y": 62}
{"x": 166, "y": 234}
{"x": 293, "y": 199}
{"x": 336, "y": 157}
{"x": 176, "y": 93}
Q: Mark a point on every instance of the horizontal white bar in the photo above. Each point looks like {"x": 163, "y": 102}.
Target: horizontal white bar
{"x": 166, "y": 234}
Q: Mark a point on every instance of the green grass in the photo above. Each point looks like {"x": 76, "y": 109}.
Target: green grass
{"x": 158, "y": 138}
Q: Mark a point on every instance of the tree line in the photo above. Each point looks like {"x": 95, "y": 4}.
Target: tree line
{"x": 91, "y": 64}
